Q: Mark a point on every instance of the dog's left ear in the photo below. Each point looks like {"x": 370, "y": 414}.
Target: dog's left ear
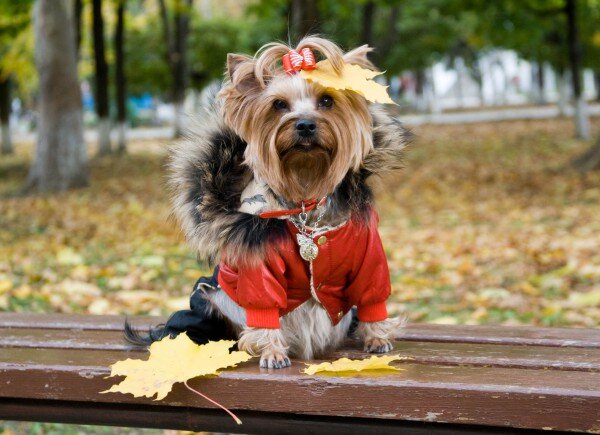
{"x": 240, "y": 70}
{"x": 358, "y": 56}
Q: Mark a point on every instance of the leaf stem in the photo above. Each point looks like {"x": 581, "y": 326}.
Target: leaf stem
{"x": 235, "y": 417}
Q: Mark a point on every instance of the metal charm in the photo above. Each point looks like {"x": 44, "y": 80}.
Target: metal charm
{"x": 308, "y": 249}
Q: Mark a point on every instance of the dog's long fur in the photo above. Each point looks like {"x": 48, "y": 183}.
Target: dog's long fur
{"x": 241, "y": 139}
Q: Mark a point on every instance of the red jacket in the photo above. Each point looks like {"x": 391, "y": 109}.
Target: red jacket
{"x": 350, "y": 269}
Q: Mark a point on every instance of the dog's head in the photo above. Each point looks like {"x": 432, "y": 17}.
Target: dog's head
{"x": 302, "y": 138}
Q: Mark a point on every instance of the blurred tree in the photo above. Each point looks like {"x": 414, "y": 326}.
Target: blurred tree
{"x": 582, "y": 120}
{"x": 5, "y": 85}
{"x": 120, "y": 78}
{"x": 176, "y": 41}
{"x": 14, "y": 22}
{"x": 380, "y": 22}
{"x": 268, "y": 21}
{"x": 210, "y": 41}
{"x": 101, "y": 85}
{"x": 368, "y": 13}
{"x": 304, "y": 18}
{"x": 406, "y": 35}
{"x": 60, "y": 160}
{"x": 557, "y": 32}
{"x": 77, "y": 15}
{"x": 146, "y": 68}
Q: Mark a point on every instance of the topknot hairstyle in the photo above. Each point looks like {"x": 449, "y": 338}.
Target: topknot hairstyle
{"x": 267, "y": 60}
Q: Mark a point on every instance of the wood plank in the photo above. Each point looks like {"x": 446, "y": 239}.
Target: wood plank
{"x": 484, "y": 334}
{"x": 462, "y": 395}
{"x": 98, "y": 361}
{"x": 421, "y": 352}
{"x": 210, "y": 420}
{"x": 75, "y": 321}
{"x": 64, "y": 339}
{"x": 494, "y": 334}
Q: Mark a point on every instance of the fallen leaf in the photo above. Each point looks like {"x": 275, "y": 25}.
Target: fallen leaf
{"x": 5, "y": 285}
{"x": 68, "y": 257}
{"x": 171, "y": 361}
{"x": 589, "y": 299}
{"x": 353, "y": 78}
{"x": 99, "y": 306}
{"x": 354, "y": 365}
{"x": 445, "y": 320}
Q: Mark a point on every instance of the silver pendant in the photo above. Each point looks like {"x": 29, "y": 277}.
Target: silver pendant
{"x": 308, "y": 248}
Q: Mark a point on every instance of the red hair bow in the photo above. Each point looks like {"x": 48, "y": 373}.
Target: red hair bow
{"x": 294, "y": 61}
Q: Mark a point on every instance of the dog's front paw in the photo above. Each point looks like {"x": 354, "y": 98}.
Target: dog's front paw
{"x": 274, "y": 360}
{"x": 378, "y": 345}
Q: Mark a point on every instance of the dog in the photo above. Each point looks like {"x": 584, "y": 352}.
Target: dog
{"x": 273, "y": 184}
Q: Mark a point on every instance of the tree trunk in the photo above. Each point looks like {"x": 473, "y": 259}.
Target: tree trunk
{"x": 541, "y": 82}
{"x": 7, "y": 147}
{"x": 478, "y": 77}
{"x": 60, "y": 160}
{"x": 563, "y": 92}
{"x": 178, "y": 57}
{"x": 432, "y": 101}
{"x": 119, "y": 42}
{"x": 539, "y": 79}
{"x": 78, "y": 11}
{"x": 582, "y": 121}
{"x": 368, "y": 13}
{"x": 101, "y": 80}
{"x": 597, "y": 83}
{"x": 460, "y": 75}
{"x": 176, "y": 44}
{"x": 305, "y": 18}
{"x": 420, "y": 89}
{"x": 391, "y": 37}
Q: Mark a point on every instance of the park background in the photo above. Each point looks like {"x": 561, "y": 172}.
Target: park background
{"x": 495, "y": 218}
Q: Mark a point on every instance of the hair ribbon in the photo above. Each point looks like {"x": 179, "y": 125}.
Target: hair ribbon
{"x": 294, "y": 61}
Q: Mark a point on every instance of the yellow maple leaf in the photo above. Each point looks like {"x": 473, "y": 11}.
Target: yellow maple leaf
{"x": 353, "y": 77}
{"x": 355, "y": 365}
{"x": 173, "y": 360}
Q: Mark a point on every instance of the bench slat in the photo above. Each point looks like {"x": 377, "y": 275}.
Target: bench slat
{"x": 423, "y": 352}
{"x": 75, "y": 321}
{"x": 497, "y": 334}
{"x": 94, "y": 361}
{"x": 456, "y": 394}
{"x": 485, "y": 334}
{"x": 212, "y": 420}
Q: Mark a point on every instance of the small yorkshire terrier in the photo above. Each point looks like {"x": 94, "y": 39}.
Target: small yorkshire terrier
{"x": 273, "y": 186}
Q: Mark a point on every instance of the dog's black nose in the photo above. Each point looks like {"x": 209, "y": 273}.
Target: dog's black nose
{"x": 306, "y": 127}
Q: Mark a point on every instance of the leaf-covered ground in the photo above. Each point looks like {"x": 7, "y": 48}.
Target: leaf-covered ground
{"x": 487, "y": 224}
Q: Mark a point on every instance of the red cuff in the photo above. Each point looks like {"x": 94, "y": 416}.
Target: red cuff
{"x": 262, "y": 318}
{"x": 372, "y": 313}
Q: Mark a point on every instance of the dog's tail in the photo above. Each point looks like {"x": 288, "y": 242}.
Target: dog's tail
{"x": 202, "y": 323}
{"x": 141, "y": 338}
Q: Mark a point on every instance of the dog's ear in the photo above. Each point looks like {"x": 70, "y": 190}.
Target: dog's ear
{"x": 240, "y": 70}
{"x": 358, "y": 56}
{"x": 234, "y": 61}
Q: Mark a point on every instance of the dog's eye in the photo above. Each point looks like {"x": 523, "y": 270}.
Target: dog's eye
{"x": 279, "y": 105}
{"x": 326, "y": 101}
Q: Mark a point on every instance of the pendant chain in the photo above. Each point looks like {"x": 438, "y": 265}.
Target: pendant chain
{"x": 303, "y": 218}
{"x": 308, "y": 248}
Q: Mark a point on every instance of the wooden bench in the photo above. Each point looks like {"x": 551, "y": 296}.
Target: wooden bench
{"x": 461, "y": 379}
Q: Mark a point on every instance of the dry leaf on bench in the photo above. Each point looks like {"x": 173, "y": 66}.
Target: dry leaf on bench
{"x": 353, "y": 77}
{"x": 173, "y": 360}
{"x": 355, "y": 365}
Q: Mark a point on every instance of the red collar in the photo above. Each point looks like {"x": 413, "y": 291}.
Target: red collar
{"x": 309, "y": 205}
